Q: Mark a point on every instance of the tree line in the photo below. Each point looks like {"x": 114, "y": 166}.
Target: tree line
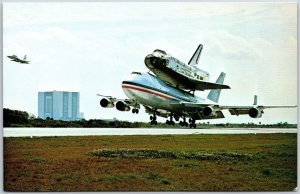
{"x": 17, "y": 118}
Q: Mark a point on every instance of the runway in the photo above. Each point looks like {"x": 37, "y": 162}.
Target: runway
{"x": 42, "y": 132}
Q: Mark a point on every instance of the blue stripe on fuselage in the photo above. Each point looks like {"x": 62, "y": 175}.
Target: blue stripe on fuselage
{"x": 157, "y": 90}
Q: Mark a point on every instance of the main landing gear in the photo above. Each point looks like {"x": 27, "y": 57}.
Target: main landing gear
{"x": 183, "y": 123}
{"x": 170, "y": 122}
{"x": 153, "y": 120}
{"x": 135, "y": 110}
{"x": 192, "y": 123}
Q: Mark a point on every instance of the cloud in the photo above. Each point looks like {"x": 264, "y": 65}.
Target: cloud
{"x": 227, "y": 45}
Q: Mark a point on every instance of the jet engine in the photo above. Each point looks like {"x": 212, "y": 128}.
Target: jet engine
{"x": 208, "y": 111}
{"x": 106, "y": 103}
{"x": 255, "y": 112}
{"x": 122, "y": 106}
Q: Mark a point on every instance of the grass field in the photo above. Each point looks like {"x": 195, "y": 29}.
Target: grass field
{"x": 262, "y": 162}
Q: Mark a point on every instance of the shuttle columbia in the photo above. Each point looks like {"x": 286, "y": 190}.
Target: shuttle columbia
{"x": 178, "y": 74}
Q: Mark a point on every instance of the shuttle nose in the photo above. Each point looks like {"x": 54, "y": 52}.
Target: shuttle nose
{"x": 148, "y": 60}
{"x": 152, "y": 61}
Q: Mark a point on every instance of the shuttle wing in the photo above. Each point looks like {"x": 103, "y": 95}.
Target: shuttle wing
{"x": 203, "y": 85}
{"x": 209, "y": 85}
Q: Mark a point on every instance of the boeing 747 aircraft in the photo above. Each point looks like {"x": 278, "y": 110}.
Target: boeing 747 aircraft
{"x": 161, "y": 99}
{"x": 16, "y": 59}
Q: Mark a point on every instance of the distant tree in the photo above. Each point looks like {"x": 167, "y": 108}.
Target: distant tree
{"x": 14, "y": 117}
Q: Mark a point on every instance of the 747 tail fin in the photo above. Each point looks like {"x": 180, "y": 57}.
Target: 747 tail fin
{"x": 215, "y": 93}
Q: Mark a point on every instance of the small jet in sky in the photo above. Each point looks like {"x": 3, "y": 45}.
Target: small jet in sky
{"x": 161, "y": 98}
{"x": 16, "y": 59}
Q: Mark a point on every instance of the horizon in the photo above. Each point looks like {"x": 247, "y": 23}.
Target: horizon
{"x": 203, "y": 122}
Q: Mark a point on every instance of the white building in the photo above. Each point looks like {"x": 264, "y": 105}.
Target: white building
{"x": 59, "y": 105}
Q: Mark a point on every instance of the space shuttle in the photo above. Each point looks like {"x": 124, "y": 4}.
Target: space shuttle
{"x": 178, "y": 74}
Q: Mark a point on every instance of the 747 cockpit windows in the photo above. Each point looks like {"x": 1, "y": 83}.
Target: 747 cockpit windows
{"x": 135, "y": 72}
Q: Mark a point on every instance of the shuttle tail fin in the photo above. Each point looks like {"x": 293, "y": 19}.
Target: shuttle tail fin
{"x": 195, "y": 58}
{"x": 215, "y": 93}
{"x": 24, "y": 57}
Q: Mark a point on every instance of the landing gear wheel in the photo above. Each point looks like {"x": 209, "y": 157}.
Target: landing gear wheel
{"x": 183, "y": 123}
{"x": 153, "y": 120}
{"x": 170, "y": 122}
{"x": 135, "y": 110}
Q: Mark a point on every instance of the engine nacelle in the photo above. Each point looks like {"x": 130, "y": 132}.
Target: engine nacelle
{"x": 122, "y": 106}
{"x": 255, "y": 112}
{"x": 208, "y": 111}
{"x": 106, "y": 103}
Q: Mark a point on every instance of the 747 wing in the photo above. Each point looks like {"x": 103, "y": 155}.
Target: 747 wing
{"x": 213, "y": 111}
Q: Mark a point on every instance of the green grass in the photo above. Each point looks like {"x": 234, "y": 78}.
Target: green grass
{"x": 38, "y": 160}
{"x": 247, "y": 162}
{"x": 151, "y": 153}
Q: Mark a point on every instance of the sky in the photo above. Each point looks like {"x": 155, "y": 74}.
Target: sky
{"x": 91, "y": 47}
